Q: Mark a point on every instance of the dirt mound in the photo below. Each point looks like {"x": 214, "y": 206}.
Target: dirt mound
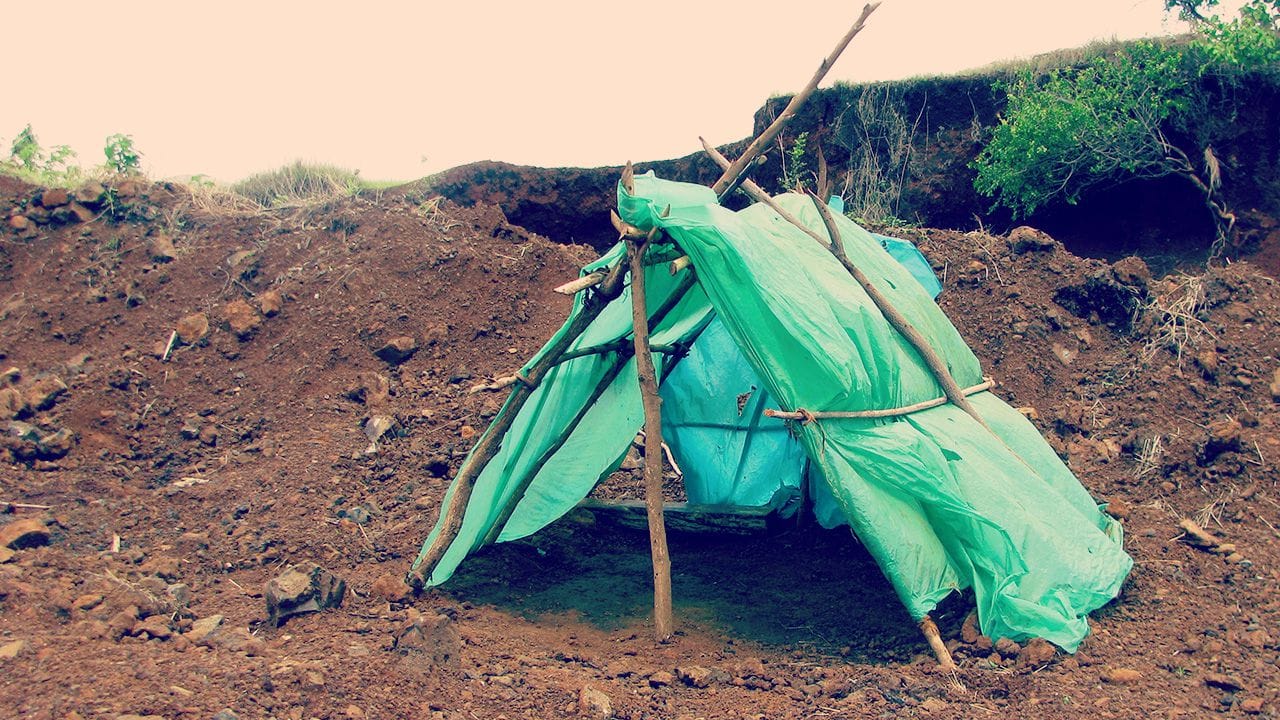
{"x": 201, "y": 397}
{"x": 569, "y": 205}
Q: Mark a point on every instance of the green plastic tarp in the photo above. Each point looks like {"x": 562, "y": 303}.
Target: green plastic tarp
{"x": 940, "y": 502}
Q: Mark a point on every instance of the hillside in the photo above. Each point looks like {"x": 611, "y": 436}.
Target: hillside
{"x": 902, "y": 151}
{"x": 152, "y": 488}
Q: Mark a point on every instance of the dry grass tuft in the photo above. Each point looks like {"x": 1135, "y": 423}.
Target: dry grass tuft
{"x": 298, "y": 184}
{"x": 1177, "y": 325}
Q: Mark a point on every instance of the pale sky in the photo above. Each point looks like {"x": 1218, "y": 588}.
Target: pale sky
{"x": 399, "y": 90}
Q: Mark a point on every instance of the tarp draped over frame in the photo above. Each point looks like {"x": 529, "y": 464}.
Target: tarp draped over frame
{"x": 939, "y": 501}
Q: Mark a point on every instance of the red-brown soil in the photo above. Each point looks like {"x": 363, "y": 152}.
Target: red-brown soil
{"x": 245, "y": 451}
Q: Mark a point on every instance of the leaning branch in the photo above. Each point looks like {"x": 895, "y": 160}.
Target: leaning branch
{"x": 757, "y": 146}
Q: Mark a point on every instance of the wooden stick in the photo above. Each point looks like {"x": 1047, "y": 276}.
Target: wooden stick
{"x": 807, "y": 415}
{"x": 573, "y": 287}
{"x": 931, "y": 635}
{"x": 757, "y": 146}
{"x": 625, "y": 229}
{"x": 648, "y": 376}
{"x": 498, "y": 383}
{"x": 899, "y": 321}
{"x": 758, "y": 194}
{"x": 505, "y": 381}
{"x": 679, "y": 264}
{"x": 491, "y": 441}
{"x": 22, "y": 506}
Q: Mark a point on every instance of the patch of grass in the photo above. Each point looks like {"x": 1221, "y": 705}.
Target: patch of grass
{"x": 1063, "y": 58}
{"x": 299, "y": 183}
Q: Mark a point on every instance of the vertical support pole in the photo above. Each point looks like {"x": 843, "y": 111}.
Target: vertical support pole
{"x": 930, "y": 630}
{"x": 662, "y": 615}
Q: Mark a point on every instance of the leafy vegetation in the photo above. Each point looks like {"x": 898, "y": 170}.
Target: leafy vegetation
{"x": 28, "y": 160}
{"x": 1077, "y": 128}
{"x": 122, "y": 157}
{"x": 56, "y": 167}
{"x": 1246, "y": 41}
{"x": 793, "y": 163}
{"x": 1110, "y": 119}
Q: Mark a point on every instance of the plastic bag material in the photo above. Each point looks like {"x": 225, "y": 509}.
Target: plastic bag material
{"x": 940, "y": 501}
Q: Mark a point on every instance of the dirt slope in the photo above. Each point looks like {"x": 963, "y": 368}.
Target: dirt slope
{"x": 245, "y": 450}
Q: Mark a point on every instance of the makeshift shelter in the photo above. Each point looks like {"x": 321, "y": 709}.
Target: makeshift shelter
{"x": 764, "y": 317}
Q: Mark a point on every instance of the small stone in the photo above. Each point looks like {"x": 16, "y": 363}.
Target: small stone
{"x": 1121, "y": 676}
{"x": 54, "y": 197}
{"x": 162, "y": 248}
{"x": 357, "y": 515}
{"x": 12, "y": 404}
{"x": 1224, "y": 436}
{"x": 432, "y": 637}
{"x": 122, "y": 623}
{"x": 56, "y": 444}
{"x": 45, "y": 391}
{"x": 242, "y": 319}
{"x": 10, "y": 650}
{"x": 1026, "y": 239}
{"x": 1064, "y": 355}
{"x": 397, "y": 350}
{"x": 87, "y": 601}
{"x": 593, "y": 703}
{"x": 237, "y": 640}
{"x": 661, "y": 679}
{"x": 1207, "y": 360}
{"x": 90, "y": 194}
{"x": 933, "y": 705}
{"x": 81, "y": 213}
{"x": 208, "y": 435}
{"x": 1223, "y": 682}
{"x": 1275, "y": 385}
{"x": 154, "y": 626}
{"x": 24, "y": 533}
{"x": 391, "y": 588}
{"x": 1119, "y": 509}
{"x": 19, "y": 223}
{"x": 270, "y": 303}
{"x": 466, "y": 432}
{"x": 226, "y": 714}
{"x": 179, "y": 593}
{"x": 1253, "y": 706}
{"x": 193, "y": 328}
{"x": 694, "y": 675}
{"x": 1008, "y": 648}
{"x": 377, "y": 426}
{"x": 1132, "y": 271}
{"x": 164, "y": 566}
{"x": 202, "y": 628}
{"x": 303, "y": 588}
{"x": 1037, "y": 652}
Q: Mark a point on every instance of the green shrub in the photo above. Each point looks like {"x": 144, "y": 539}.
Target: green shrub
{"x": 122, "y": 157}
{"x": 29, "y": 161}
{"x": 1078, "y": 128}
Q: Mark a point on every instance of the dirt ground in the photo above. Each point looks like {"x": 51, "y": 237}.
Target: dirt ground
{"x": 152, "y": 488}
